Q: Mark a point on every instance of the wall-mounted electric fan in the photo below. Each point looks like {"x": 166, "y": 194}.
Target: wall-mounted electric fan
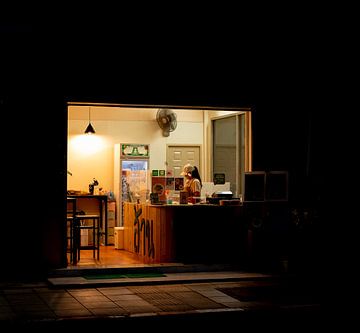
{"x": 167, "y": 121}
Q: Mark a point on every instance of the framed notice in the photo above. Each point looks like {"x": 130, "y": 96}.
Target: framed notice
{"x": 219, "y": 178}
{"x": 134, "y": 150}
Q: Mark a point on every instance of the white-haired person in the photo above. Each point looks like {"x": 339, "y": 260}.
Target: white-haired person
{"x": 193, "y": 183}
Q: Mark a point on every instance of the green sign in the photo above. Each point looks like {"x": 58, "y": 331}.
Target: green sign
{"x": 130, "y": 149}
{"x": 219, "y": 178}
{"x": 155, "y": 173}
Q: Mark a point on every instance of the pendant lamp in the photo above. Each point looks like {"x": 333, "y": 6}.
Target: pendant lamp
{"x": 89, "y": 129}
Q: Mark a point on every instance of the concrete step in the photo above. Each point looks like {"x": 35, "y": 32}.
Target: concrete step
{"x": 150, "y": 278}
{"x": 141, "y": 268}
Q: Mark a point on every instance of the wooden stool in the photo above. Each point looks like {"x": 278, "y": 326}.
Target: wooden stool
{"x": 81, "y": 223}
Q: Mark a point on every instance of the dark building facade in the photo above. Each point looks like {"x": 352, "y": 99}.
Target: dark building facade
{"x": 40, "y": 76}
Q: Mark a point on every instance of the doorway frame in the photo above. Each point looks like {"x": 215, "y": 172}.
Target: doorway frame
{"x": 205, "y": 165}
{"x": 243, "y": 143}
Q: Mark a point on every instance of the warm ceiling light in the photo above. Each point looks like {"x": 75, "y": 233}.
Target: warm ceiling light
{"x": 89, "y": 128}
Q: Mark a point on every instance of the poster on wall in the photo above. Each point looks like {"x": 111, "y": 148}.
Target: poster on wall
{"x": 179, "y": 183}
{"x": 158, "y": 185}
{"x": 170, "y": 183}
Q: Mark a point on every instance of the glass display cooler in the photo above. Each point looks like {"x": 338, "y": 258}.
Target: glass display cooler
{"x": 131, "y": 175}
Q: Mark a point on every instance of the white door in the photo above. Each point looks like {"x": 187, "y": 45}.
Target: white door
{"x": 178, "y": 155}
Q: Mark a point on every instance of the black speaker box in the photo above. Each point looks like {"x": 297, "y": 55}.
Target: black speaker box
{"x": 254, "y": 186}
{"x": 276, "y": 186}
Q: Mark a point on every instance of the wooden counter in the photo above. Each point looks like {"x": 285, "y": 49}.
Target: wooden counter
{"x": 185, "y": 233}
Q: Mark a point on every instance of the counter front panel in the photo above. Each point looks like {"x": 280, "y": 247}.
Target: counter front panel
{"x": 148, "y": 232}
{"x": 185, "y": 233}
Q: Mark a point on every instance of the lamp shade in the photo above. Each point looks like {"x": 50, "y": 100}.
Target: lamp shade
{"x": 89, "y": 129}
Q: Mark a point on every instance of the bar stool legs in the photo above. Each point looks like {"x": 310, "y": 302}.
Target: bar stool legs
{"x": 76, "y": 241}
{"x": 70, "y": 228}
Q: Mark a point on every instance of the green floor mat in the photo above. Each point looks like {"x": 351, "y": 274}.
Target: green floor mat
{"x": 121, "y": 276}
{"x": 144, "y": 275}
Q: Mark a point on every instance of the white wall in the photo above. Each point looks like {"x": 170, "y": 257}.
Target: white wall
{"x": 93, "y": 156}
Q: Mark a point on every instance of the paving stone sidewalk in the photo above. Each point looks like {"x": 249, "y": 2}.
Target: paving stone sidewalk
{"x": 41, "y": 304}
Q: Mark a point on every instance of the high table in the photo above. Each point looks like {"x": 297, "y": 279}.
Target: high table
{"x": 84, "y": 203}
